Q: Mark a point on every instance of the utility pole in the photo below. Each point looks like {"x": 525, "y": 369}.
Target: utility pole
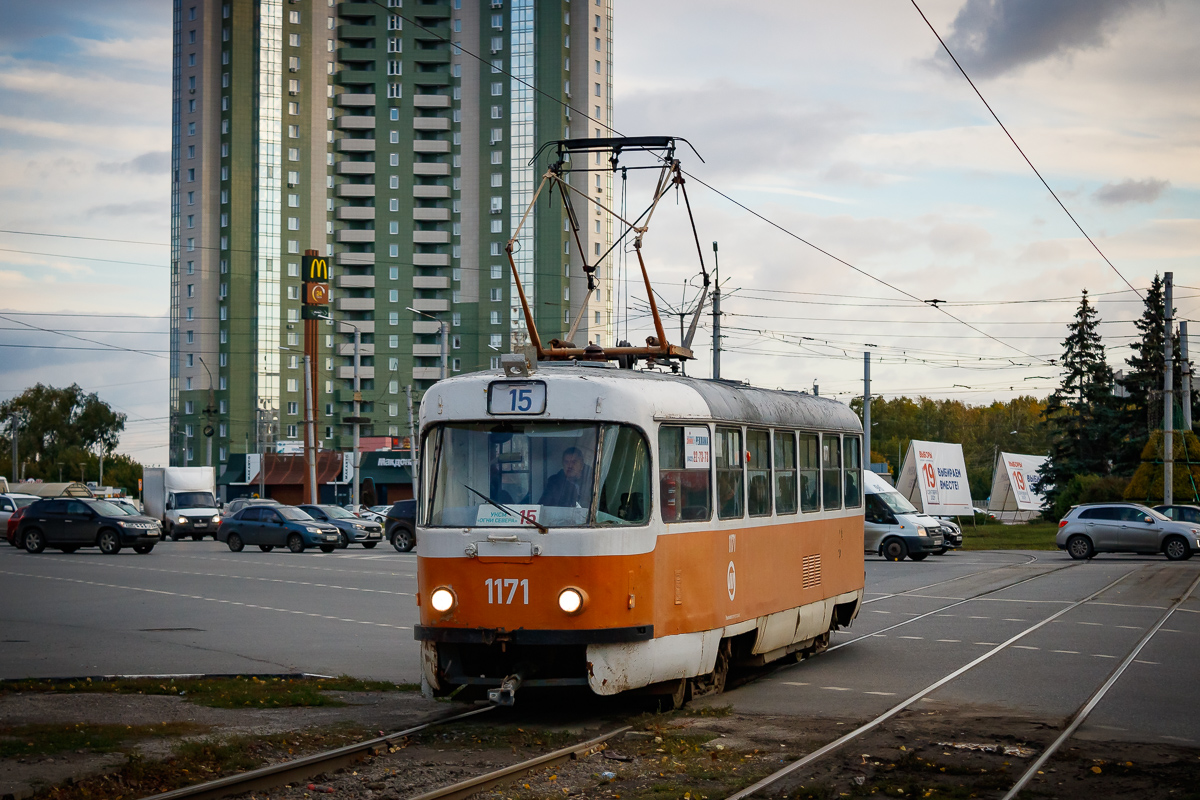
{"x": 102, "y": 463}
{"x": 445, "y": 331}
{"x": 1185, "y": 370}
{"x": 310, "y": 430}
{"x": 13, "y": 428}
{"x": 357, "y": 400}
{"x": 867, "y": 409}
{"x": 1168, "y": 393}
{"x": 412, "y": 440}
{"x": 716, "y": 312}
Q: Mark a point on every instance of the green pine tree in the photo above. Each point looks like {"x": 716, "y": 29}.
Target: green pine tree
{"x": 1081, "y": 413}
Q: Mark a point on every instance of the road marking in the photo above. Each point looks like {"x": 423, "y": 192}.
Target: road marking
{"x": 978, "y": 617}
{"x": 1024, "y": 647}
{"x": 794, "y": 683}
{"x": 198, "y": 597}
{"x": 1127, "y": 605}
{"x": 1069, "y": 652}
{"x": 837, "y": 688}
{"x": 910, "y": 637}
{"x": 1006, "y": 619}
{"x": 1155, "y": 663}
{"x": 1096, "y": 624}
{"x": 1130, "y": 627}
{"x": 877, "y": 611}
{"x": 1101, "y": 655}
{"x": 949, "y": 640}
{"x": 987, "y": 644}
{"x": 882, "y": 694}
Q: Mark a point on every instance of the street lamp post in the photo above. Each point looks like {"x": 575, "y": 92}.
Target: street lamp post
{"x": 445, "y": 332}
{"x": 355, "y": 419}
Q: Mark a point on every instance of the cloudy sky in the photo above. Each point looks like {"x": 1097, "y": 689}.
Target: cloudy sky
{"x": 841, "y": 124}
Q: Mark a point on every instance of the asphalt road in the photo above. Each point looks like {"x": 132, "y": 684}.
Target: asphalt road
{"x": 196, "y": 607}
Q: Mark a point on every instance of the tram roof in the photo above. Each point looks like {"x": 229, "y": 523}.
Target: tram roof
{"x": 734, "y": 401}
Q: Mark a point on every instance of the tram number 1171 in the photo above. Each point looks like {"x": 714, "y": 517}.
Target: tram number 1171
{"x": 499, "y": 585}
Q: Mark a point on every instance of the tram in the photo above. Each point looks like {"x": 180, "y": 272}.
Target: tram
{"x": 583, "y": 521}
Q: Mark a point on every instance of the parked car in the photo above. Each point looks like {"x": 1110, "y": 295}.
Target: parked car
{"x": 234, "y": 506}
{"x": 69, "y": 523}
{"x": 127, "y": 506}
{"x": 351, "y": 529}
{"x": 1180, "y": 513}
{"x": 952, "y": 536}
{"x": 1125, "y": 528}
{"x": 10, "y": 502}
{"x": 402, "y": 525}
{"x": 372, "y": 513}
{"x": 11, "y": 531}
{"x": 271, "y": 526}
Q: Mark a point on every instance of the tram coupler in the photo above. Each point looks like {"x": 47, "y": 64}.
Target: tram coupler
{"x": 506, "y": 695}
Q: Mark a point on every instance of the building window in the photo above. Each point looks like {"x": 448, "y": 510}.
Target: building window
{"x": 192, "y": 125}
{"x": 393, "y": 387}
{"x": 394, "y": 159}
{"x": 293, "y": 223}
{"x": 497, "y": 226}
{"x": 292, "y": 385}
{"x": 495, "y": 249}
{"x": 393, "y": 227}
{"x": 294, "y": 39}
{"x": 498, "y": 22}
{"x": 497, "y": 271}
{"x": 393, "y": 204}
{"x": 456, "y": 342}
{"x": 223, "y": 359}
{"x": 293, "y": 409}
{"x": 291, "y": 431}
{"x": 496, "y": 113}
{"x": 191, "y": 174}
{"x": 393, "y": 296}
{"x": 496, "y": 340}
{"x": 393, "y": 251}
{"x": 393, "y": 318}
{"x": 191, "y": 244}
{"x": 497, "y": 135}
{"x": 294, "y": 109}
{"x": 394, "y": 67}
{"x": 293, "y": 131}
{"x": 494, "y": 318}
{"x": 497, "y": 179}
{"x": 394, "y": 91}
{"x": 497, "y": 205}
{"x": 497, "y": 295}
{"x": 293, "y": 201}
{"x": 395, "y": 46}
{"x": 597, "y": 43}
{"x": 191, "y": 220}
{"x": 393, "y": 273}
{"x": 394, "y": 182}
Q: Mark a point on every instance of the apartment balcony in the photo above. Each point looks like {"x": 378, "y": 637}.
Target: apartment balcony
{"x": 355, "y": 304}
{"x": 356, "y": 281}
{"x": 347, "y": 31}
{"x": 348, "y": 100}
{"x": 427, "y": 373}
{"x": 355, "y": 259}
{"x": 356, "y": 77}
{"x": 431, "y": 282}
{"x": 431, "y": 123}
{"x": 359, "y": 213}
{"x": 426, "y": 327}
{"x": 440, "y": 55}
{"x": 431, "y": 146}
{"x": 346, "y": 53}
{"x": 356, "y": 145}
{"x": 431, "y": 192}
{"x": 430, "y": 260}
{"x": 431, "y": 101}
{"x": 424, "y": 168}
{"x": 347, "y": 349}
{"x": 432, "y": 30}
{"x": 356, "y": 122}
{"x": 431, "y": 13}
{"x": 356, "y": 190}
{"x": 431, "y": 237}
{"x": 439, "y": 78}
{"x": 430, "y": 304}
{"x": 356, "y": 168}
{"x": 364, "y": 325}
{"x": 434, "y": 350}
{"x": 347, "y": 373}
{"x": 431, "y": 214}
{"x": 353, "y": 236}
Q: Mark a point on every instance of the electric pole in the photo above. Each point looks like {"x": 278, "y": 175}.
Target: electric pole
{"x": 716, "y": 313}
{"x": 412, "y": 441}
{"x": 13, "y": 428}
{"x": 1168, "y": 393}
{"x": 310, "y": 428}
{"x": 866, "y": 420}
{"x": 1185, "y": 375}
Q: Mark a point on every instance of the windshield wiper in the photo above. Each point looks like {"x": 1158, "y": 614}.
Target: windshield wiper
{"x": 508, "y": 510}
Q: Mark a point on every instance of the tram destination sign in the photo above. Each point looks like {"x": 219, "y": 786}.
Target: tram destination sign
{"x": 517, "y": 397}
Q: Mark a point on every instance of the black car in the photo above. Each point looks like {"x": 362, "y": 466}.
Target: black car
{"x": 276, "y": 526}
{"x": 69, "y": 523}
{"x": 402, "y": 525}
{"x": 353, "y": 529}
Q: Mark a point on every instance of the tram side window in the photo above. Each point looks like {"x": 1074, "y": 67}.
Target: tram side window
{"x": 730, "y": 481}
{"x": 785, "y": 472}
{"x": 624, "y": 497}
{"x": 758, "y": 472}
{"x": 810, "y": 472}
{"x": 853, "y": 472}
{"x": 831, "y": 468}
{"x": 684, "y": 466}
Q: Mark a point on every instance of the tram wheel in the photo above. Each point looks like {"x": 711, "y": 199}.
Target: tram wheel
{"x": 714, "y": 682}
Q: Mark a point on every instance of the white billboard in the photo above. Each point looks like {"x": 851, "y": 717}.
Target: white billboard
{"x": 1014, "y": 481}
{"x": 934, "y": 479}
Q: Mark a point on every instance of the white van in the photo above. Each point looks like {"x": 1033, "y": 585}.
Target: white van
{"x": 893, "y": 528}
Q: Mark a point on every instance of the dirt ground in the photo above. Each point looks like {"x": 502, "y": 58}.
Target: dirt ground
{"x": 697, "y": 754}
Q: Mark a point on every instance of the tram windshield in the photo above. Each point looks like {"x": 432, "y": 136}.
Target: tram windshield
{"x": 555, "y": 474}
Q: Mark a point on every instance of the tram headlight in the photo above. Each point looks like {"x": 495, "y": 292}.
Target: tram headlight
{"x": 572, "y": 600}
{"x": 442, "y": 599}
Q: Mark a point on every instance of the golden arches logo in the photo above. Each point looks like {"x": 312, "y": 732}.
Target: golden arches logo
{"x": 316, "y": 268}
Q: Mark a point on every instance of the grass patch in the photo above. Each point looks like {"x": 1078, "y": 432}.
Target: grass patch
{"x": 1029, "y": 536}
{"x": 251, "y": 692}
{"x": 195, "y": 762}
{"x": 41, "y": 740}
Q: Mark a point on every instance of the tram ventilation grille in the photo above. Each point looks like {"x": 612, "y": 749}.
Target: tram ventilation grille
{"x": 812, "y": 571}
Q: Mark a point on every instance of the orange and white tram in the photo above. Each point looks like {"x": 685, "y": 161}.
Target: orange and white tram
{"x": 616, "y": 528}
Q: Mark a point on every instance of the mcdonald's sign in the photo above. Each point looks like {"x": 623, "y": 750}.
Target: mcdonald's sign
{"x": 314, "y": 269}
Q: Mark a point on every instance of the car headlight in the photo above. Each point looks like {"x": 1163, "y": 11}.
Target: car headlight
{"x": 572, "y": 600}
{"x": 442, "y": 600}
{"x": 921, "y": 531}
{"x": 215, "y": 518}
{"x": 313, "y": 530}
{"x": 181, "y": 521}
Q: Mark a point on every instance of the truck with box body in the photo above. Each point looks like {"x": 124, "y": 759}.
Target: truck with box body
{"x": 184, "y": 499}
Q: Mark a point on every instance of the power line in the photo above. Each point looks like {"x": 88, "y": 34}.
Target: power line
{"x": 1019, "y": 150}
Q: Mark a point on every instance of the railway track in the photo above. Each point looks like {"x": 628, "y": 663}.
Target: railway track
{"x": 775, "y": 780}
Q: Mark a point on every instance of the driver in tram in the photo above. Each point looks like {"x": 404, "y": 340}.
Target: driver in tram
{"x": 565, "y": 487}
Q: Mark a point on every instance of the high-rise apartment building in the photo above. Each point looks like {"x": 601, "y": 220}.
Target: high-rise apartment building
{"x": 395, "y": 137}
